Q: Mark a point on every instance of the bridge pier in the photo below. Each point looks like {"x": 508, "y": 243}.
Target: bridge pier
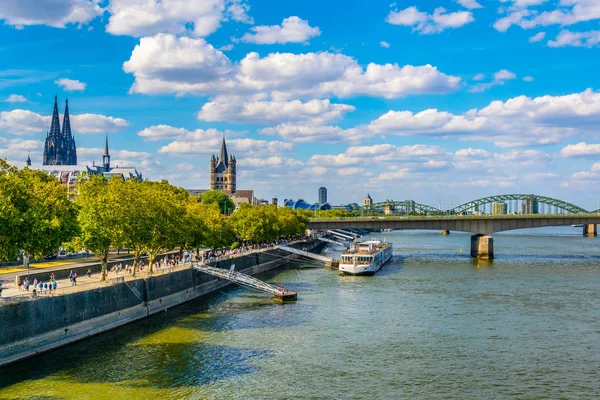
{"x": 445, "y": 232}
{"x": 590, "y": 230}
{"x": 482, "y": 246}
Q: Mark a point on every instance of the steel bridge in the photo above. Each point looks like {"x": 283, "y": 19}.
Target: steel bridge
{"x": 515, "y": 203}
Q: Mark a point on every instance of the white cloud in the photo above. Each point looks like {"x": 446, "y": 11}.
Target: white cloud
{"x": 22, "y": 122}
{"x": 195, "y": 17}
{"x": 309, "y": 133}
{"x": 500, "y": 78}
{"x": 538, "y": 37}
{"x": 236, "y": 109}
{"x": 55, "y": 13}
{"x": 517, "y": 122}
{"x": 576, "y": 39}
{"x": 581, "y": 149}
{"x": 270, "y": 162}
{"x": 291, "y": 30}
{"x": 208, "y": 141}
{"x": 429, "y": 23}
{"x": 568, "y": 12}
{"x": 169, "y": 64}
{"x": 349, "y": 171}
{"x": 479, "y": 77}
{"x": 71, "y": 84}
{"x": 384, "y": 44}
{"x": 16, "y": 98}
{"x": 470, "y": 4}
{"x": 96, "y": 123}
{"x": 18, "y": 149}
{"x": 528, "y": 78}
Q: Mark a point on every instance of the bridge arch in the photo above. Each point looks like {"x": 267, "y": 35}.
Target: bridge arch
{"x": 477, "y": 205}
{"x": 408, "y": 206}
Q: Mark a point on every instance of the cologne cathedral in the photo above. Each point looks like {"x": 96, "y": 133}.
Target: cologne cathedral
{"x": 59, "y": 148}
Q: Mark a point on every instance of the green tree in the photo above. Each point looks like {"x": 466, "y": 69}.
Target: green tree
{"x": 102, "y": 211}
{"x": 225, "y": 204}
{"x": 165, "y": 217}
{"x": 36, "y": 215}
{"x": 218, "y": 232}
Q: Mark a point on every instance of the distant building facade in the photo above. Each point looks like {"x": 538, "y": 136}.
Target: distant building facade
{"x": 499, "y": 208}
{"x": 59, "y": 147}
{"x": 322, "y": 195}
{"x": 530, "y": 206}
{"x": 368, "y": 200}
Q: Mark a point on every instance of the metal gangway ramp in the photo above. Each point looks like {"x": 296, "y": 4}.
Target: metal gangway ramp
{"x": 323, "y": 239}
{"x": 245, "y": 280}
{"x": 326, "y": 260}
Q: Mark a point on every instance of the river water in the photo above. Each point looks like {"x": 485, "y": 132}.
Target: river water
{"x": 432, "y": 324}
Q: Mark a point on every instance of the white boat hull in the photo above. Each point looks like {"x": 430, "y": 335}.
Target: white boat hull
{"x": 367, "y": 269}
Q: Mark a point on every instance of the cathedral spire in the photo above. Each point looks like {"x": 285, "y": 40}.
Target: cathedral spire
{"x": 28, "y": 162}
{"x": 55, "y": 125}
{"x": 223, "y": 156}
{"x": 66, "y": 129}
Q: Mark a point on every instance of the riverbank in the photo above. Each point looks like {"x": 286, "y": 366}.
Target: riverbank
{"x": 46, "y": 323}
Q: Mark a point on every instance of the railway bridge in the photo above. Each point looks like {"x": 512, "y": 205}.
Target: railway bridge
{"x": 482, "y": 226}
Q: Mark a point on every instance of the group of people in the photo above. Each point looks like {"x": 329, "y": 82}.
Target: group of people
{"x": 38, "y": 287}
{"x": 210, "y": 254}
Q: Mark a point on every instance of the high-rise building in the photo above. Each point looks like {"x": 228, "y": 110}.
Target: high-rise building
{"x": 499, "y": 208}
{"x": 530, "y": 206}
{"x": 59, "y": 148}
{"x": 322, "y": 195}
{"x": 274, "y": 201}
{"x": 223, "y": 171}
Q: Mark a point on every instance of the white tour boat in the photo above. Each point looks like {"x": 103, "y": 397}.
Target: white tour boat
{"x": 365, "y": 258}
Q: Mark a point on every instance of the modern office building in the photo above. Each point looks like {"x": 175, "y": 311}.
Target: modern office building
{"x": 530, "y": 206}
{"x": 322, "y": 195}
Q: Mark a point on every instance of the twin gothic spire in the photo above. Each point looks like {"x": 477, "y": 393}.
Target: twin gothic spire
{"x": 59, "y": 148}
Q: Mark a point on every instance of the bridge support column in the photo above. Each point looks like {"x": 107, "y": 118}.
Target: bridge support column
{"x": 482, "y": 246}
{"x": 445, "y": 232}
{"x": 590, "y": 230}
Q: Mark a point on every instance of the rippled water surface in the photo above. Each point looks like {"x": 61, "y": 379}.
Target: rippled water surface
{"x": 432, "y": 324}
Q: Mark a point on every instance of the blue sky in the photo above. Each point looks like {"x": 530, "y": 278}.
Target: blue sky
{"x": 427, "y": 100}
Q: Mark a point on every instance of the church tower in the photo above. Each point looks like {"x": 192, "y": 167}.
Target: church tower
{"x": 223, "y": 171}
{"x": 59, "y": 148}
{"x": 106, "y": 156}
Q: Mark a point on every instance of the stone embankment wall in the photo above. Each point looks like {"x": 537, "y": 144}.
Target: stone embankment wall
{"x": 32, "y": 327}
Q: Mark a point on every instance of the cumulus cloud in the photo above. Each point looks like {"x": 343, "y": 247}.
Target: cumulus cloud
{"x": 576, "y": 39}
{"x": 23, "y": 122}
{"x": 19, "y": 149}
{"x": 500, "y": 78}
{"x": 70, "y": 84}
{"x": 55, "y": 13}
{"x": 208, "y": 141}
{"x": 16, "y": 98}
{"x": 568, "y": 12}
{"x": 195, "y": 17}
{"x": 169, "y": 64}
{"x": 384, "y": 44}
{"x": 517, "y": 122}
{"x": 291, "y": 30}
{"x": 429, "y": 23}
{"x": 238, "y": 110}
{"x": 581, "y": 149}
{"x": 311, "y": 133}
{"x": 470, "y": 4}
{"x": 538, "y": 37}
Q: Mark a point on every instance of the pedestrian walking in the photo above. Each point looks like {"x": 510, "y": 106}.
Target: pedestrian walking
{"x": 75, "y": 279}
{"x": 89, "y": 273}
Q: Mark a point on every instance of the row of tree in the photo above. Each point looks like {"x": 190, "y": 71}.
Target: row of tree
{"x": 37, "y": 217}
